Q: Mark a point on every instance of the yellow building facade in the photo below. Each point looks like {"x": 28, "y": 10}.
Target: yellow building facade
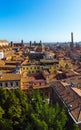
{"x": 30, "y": 69}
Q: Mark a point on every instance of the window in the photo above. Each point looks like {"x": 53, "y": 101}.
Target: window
{"x": 1, "y": 84}
{"x": 38, "y": 71}
{"x": 46, "y": 94}
{"x": 6, "y": 84}
{"x": 29, "y": 72}
{"x": 11, "y": 83}
{"x": 38, "y": 67}
{"x": 16, "y": 83}
{"x": 23, "y": 68}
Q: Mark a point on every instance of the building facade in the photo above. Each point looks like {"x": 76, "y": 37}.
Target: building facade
{"x": 10, "y": 81}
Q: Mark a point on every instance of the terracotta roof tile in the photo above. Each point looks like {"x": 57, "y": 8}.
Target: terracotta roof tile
{"x": 6, "y": 77}
{"x": 71, "y": 99}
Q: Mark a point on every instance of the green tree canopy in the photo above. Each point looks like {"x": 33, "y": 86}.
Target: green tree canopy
{"x": 23, "y": 111}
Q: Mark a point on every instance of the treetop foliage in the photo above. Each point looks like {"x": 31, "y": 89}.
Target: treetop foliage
{"x": 22, "y": 111}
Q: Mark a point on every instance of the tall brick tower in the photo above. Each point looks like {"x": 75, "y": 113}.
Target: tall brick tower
{"x": 72, "y": 37}
{"x": 71, "y": 44}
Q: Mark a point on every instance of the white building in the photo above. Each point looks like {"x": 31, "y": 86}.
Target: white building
{"x": 1, "y": 54}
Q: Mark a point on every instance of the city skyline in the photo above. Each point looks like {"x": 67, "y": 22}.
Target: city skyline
{"x": 35, "y": 20}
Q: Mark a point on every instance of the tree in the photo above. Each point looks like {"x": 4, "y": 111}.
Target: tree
{"x": 3, "y": 96}
{"x": 1, "y": 112}
{"x": 6, "y": 124}
{"x": 23, "y": 103}
{"x": 75, "y": 127}
{"x": 42, "y": 111}
{"x": 14, "y": 112}
{"x": 38, "y": 124}
{"x": 22, "y": 111}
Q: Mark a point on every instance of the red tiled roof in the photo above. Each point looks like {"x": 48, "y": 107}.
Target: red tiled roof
{"x": 39, "y": 76}
{"x": 71, "y": 99}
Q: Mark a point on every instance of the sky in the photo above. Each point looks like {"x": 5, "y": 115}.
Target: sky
{"x": 35, "y": 20}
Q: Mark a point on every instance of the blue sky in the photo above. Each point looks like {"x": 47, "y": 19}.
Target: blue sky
{"x": 46, "y": 20}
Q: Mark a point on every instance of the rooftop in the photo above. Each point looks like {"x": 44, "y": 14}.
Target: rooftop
{"x": 78, "y": 91}
{"x": 71, "y": 99}
{"x": 10, "y": 77}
